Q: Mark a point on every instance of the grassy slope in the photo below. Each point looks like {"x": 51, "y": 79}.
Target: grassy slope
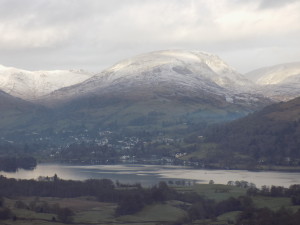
{"x": 156, "y": 213}
{"x": 146, "y": 114}
{"x": 218, "y": 192}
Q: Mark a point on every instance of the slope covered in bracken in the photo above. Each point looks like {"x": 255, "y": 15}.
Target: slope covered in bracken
{"x": 267, "y": 136}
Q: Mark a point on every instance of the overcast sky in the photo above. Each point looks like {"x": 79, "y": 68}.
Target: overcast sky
{"x": 95, "y": 34}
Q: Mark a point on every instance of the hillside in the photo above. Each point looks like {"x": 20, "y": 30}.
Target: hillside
{"x": 158, "y": 90}
{"x": 269, "y": 136}
{"x": 17, "y": 113}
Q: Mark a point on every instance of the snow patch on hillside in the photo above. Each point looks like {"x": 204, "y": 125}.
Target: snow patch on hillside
{"x": 275, "y": 74}
{"x": 31, "y": 85}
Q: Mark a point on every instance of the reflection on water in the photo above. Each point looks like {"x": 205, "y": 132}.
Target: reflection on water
{"x": 149, "y": 175}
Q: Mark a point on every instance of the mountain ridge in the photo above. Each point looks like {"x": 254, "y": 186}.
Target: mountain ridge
{"x": 31, "y": 85}
{"x": 193, "y": 71}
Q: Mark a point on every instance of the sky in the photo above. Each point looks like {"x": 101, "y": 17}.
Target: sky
{"x": 95, "y": 34}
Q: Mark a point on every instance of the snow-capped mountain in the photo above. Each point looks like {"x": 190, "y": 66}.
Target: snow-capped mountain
{"x": 156, "y": 92}
{"x": 166, "y": 73}
{"x": 280, "y": 82}
{"x": 31, "y": 85}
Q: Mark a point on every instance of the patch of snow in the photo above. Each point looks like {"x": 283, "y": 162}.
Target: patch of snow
{"x": 30, "y": 85}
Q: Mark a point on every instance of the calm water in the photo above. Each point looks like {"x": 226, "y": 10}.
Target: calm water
{"x": 151, "y": 174}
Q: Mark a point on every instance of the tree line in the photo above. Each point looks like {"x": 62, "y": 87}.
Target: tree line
{"x": 12, "y": 164}
{"x": 131, "y": 199}
{"x": 292, "y": 192}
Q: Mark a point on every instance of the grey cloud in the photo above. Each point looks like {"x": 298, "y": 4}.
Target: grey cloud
{"x": 94, "y": 34}
{"x": 267, "y": 4}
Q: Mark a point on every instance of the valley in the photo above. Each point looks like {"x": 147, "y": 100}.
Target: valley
{"x": 178, "y": 107}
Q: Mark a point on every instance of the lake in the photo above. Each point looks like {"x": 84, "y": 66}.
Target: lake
{"x": 149, "y": 175}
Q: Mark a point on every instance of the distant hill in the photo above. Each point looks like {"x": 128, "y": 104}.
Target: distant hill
{"x": 17, "y": 113}
{"x": 280, "y": 82}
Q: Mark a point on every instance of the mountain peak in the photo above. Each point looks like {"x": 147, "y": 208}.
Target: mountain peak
{"x": 173, "y": 63}
{"x": 160, "y": 58}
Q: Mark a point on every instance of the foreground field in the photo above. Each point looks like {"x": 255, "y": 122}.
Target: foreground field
{"x": 88, "y": 210}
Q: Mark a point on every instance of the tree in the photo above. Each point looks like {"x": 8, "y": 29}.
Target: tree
{"x": 5, "y": 213}
{"x": 296, "y": 199}
{"x": 131, "y": 204}
{"x": 160, "y": 193}
{"x": 65, "y": 215}
{"x": 20, "y": 205}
